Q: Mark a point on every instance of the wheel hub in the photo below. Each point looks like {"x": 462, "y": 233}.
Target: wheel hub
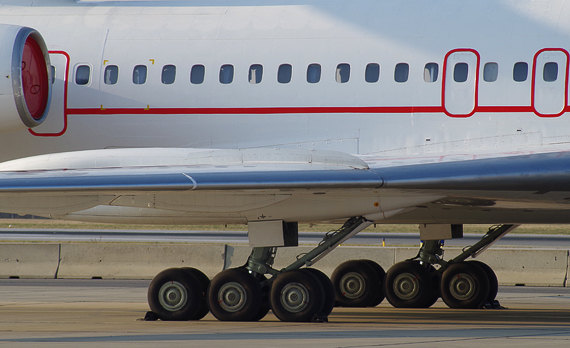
{"x": 462, "y": 286}
{"x": 172, "y": 296}
{"x": 232, "y": 297}
{"x": 352, "y": 285}
{"x": 406, "y": 286}
{"x": 295, "y": 297}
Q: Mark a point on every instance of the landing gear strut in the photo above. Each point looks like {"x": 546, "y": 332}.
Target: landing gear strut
{"x": 308, "y": 294}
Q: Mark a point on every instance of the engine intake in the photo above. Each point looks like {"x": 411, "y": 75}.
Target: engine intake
{"x": 25, "y": 75}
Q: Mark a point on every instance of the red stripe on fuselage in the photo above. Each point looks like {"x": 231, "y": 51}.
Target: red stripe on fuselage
{"x": 292, "y": 110}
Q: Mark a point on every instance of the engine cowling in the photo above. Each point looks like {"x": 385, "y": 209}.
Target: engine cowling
{"x": 25, "y": 78}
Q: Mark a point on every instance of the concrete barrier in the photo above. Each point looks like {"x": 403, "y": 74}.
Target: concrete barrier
{"x": 29, "y": 260}
{"x": 136, "y": 260}
{"x": 532, "y": 267}
{"x": 237, "y": 255}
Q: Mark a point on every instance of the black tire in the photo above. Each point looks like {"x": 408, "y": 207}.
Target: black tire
{"x": 234, "y": 295}
{"x": 327, "y": 287}
{"x": 265, "y": 305}
{"x": 380, "y": 295}
{"x": 205, "y": 282}
{"x": 174, "y": 294}
{"x": 436, "y": 282}
{"x": 296, "y": 296}
{"x": 493, "y": 281}
{"x": 356, "y": 284}
{"x": 409, "y": 285}
{"x": 464, "y": 285}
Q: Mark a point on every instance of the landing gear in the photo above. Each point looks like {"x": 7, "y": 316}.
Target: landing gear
{"x": 493, "y": 281}
{"x": 416, "y": 283}
{"x": 297, "y": 296}
{"x": 299, "y": 293}
{"x": 234, "y": 295}
{"x": 358, "y": 283}
{"x": 464, "y": 285}
{"x": 328, "y": 289}
{"x": 178, "y": 294}
{"x": 410, "y": 285}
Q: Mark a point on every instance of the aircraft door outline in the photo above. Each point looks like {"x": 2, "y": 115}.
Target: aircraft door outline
{"x": 459, "y": 95}
{"x": 549, "y": 98}
{"x": 55, "y": 124}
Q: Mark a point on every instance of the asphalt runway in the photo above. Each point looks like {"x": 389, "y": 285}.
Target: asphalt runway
{"x": 240, "y": 237}
{"x": 106, "y": 313}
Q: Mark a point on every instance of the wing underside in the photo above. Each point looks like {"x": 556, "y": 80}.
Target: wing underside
{"x": 286, "y": 185}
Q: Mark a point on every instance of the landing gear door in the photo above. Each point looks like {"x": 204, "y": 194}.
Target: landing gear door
{"x": 549, "y": 82}
{"x": 55, "y": 122}
{"x": 460, "y": 80}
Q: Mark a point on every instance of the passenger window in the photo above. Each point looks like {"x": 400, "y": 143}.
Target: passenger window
{"x": 139, "y": 74}
{"x": 197, "y": 74}
{"x": 490, "y": 72}
{"x": 401, "y": 72}
{"x": 313, "y": 73}
{"x": 460, "y": 72}
{"x": 111, "y": 75}
{"x": 168, "y": 74}
{"x": 284, "y": 73}
{"x": 255, "y": 74}
{"x": 430, "y": 72}
{"x": 342, "y": 73}
{"x": 82, "y": 74}
{"x": 226, "y": 74}
{"x": 52, "y": 74}
{"x": 372, "y": 73}
{"x": 520, "y": 71}
{"x": 550, "y": 72}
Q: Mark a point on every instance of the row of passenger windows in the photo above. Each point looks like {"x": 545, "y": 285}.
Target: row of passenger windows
{"x": 342, "y": 73}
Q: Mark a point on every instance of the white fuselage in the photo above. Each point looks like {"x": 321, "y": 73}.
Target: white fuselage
{"x": 385, "y": 118}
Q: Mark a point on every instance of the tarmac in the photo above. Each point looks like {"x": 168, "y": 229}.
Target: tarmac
{"x": 108, "y": 313}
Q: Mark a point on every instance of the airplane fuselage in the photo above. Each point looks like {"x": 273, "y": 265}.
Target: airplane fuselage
{"x": 398, "y": 93}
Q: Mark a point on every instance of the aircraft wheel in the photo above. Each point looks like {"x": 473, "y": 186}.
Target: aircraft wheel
{"x": 435, "y": 292}
{"x": 380, "y": 295}
{"x": 327, "y": 287}
{"x": 174, "y": 294}
{"x": 265, "y": 305}
{"x": 205, "y": 283}
{"x": 493, "y": 281}
{"x": 464, "y": 285}
{"x": 409, "y": 285}
{"x": 296, "y": 296}
{"x": 234, "y": 295}
{"x": 356, "y": 284}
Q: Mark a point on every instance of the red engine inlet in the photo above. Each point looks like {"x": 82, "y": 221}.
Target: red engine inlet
{"x": 35, "y": 80}
{"x": 25, "y": 75}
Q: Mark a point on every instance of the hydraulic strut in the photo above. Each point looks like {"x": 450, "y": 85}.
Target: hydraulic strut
{"x": 261, "y": 259}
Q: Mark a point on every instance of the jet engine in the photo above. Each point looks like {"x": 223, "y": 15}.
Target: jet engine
{"x": 25, "y": 78}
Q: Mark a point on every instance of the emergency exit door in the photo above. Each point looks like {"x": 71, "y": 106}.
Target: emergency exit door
{"x": 550, "y": 82}
{"x": 460, "y": 80}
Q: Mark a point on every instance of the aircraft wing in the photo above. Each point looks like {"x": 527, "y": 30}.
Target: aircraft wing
{"x": 40, "y": 184}
{"x": 121, "y": 180}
